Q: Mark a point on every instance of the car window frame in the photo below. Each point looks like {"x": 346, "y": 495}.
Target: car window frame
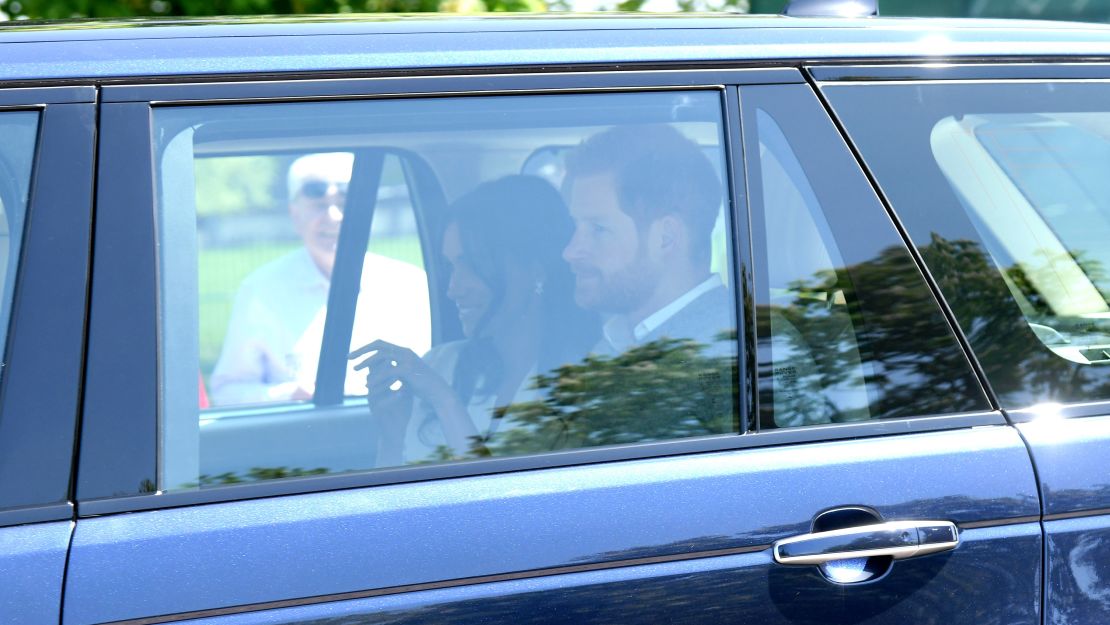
{"x": 40, "y": 396}
{"x": 117, "y": 492}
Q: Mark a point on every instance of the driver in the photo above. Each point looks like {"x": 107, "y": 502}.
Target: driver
{"x": 273, "y": 338}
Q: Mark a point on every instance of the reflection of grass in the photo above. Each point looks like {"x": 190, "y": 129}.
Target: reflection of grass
{"x": 221, "y": 271}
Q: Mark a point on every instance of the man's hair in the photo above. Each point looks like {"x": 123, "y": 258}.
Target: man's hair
{"x": 657, "y": 172}
{"x": 326, "y": 166}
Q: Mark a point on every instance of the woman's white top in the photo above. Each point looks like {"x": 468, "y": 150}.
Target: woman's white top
{"x": 424, "y": 438}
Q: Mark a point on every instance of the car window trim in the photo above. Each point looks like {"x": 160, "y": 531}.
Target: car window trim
{"x": 453, "y": 85}
{"x": 572, "y": 457}
{"x": 30, "y": 96}
{"x": 37, "y": 514}
{"x": 48, "y": 308}
{"x": 1040, "y": 70}
{"x": 119, "y": 435}
{"x": 125, "y": 323}
{"x": 741, "y": 257}
{"x": 131, "y": 500}
{"x": 1059, "y": 411}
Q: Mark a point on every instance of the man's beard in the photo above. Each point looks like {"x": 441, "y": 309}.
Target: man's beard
{"x": 624, "y": 291}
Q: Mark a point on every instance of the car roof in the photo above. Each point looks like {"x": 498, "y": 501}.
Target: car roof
{"x": 128, "y": 49}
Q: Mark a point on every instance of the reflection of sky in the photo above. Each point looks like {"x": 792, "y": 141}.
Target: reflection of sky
{"x": 1084, "y": 561}
{"x": 1060, "y": 168}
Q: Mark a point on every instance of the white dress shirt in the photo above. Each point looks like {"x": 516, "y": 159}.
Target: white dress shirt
{"x": 273, "y": 339}
{"x": 618, "y": 337}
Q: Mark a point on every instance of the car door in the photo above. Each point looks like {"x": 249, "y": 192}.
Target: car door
{"x": 774, "y": 443}
{"x": 1005, "y": 203}
{"x": 46, "y": 201}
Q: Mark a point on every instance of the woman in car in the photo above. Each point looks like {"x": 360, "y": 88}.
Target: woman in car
{"x": 514, "y": 295}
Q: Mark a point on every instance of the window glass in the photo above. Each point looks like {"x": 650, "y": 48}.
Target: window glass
{"x": 1003, "y": 188}
{"x": 354, "y": 285}
{"x": 264, "y": 255}
{"x": 19, "y": 130}
{"x": 847, "y": 327}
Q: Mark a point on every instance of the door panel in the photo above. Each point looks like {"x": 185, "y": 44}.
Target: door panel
{"x": 1000, "y": 184}
{"x": 710, "y": 590}
{"x": 32, "y": 560}
{"x": 1071, "y": 461}
{"x": 705, "y": 591}
{"x": 646, "y": 527}
{"x": 317, "y": 547}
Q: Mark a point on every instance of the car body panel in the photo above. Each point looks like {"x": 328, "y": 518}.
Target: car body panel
{"x": 533, "y": 521}
{"x": 601, "y": 536}
{"x": 711, "y": 590}
{"x": 1070, "y": 455}
{"x": 32, "y": 563}
{"x": 116, "y": 51}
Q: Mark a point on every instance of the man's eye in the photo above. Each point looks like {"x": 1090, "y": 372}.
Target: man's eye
{"x": 598, "y": 229}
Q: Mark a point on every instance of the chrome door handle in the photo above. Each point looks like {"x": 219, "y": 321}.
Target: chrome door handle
{"x": 897, "y": 539}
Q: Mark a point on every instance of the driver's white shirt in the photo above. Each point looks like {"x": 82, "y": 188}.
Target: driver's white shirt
{"x": 277, "y": 323}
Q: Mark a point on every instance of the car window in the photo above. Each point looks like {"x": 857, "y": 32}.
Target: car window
{"x": 393, "y": 283}
{"x": 20, "y": 132}
{"x": 1008, "y": 202}
{"x": 847, "y": 327}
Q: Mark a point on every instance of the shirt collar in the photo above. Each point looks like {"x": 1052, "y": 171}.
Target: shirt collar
{"x": 617, "y": 333}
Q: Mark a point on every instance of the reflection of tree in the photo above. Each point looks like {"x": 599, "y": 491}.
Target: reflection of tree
{"x": 1024, "y": 276}
{"x": 1021, "y": 370}
{"x": 255, "y": 474}
{"x": 886, "y": 332}
{"x": 665, "y": 389}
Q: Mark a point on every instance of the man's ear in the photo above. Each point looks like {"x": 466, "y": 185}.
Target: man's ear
{"x": 672, "y": 235}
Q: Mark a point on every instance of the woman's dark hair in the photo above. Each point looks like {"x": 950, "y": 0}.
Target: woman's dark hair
{"x": 519, "y": 221}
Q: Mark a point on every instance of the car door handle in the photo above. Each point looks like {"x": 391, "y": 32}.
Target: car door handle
{"x": 897, "y": 539}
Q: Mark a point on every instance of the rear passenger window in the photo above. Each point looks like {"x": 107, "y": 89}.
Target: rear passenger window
{"x": 847, "y": 328}
{"x": 19, "y": 130}
{"x": 1004, "y": 188}
{"x": 355, "y": 285}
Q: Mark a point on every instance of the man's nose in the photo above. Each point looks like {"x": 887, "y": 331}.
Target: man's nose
{"x": 335, "y": 211}
{"x": 573, "y": 250}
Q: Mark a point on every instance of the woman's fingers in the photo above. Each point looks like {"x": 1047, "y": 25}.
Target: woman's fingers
{"x": 373, "y": 346}
{"x": 385, "y": 353}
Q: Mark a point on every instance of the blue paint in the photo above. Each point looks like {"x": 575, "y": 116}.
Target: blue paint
{"x": 384, "y": 44}
{"x": 32, "y": 560}
{"x": 247, "y": 552}
{"x": 1071, "y": 457}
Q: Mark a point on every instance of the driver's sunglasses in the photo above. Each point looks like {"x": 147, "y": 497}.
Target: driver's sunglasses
{"x": 318, "y": 189}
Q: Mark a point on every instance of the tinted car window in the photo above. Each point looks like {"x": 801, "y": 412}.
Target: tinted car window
{"x": 1002, "y": 187}
{"x": 848, "y": 330}
{"x": 20, "y": 131}
{"x": 419, "y": 299}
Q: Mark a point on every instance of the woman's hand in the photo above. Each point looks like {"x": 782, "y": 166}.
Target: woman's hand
{"x": 395, "y": 375}
{"x": 395, "y": 372}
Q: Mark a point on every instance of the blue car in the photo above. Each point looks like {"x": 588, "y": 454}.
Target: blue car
{"x": 628, "y": 319}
